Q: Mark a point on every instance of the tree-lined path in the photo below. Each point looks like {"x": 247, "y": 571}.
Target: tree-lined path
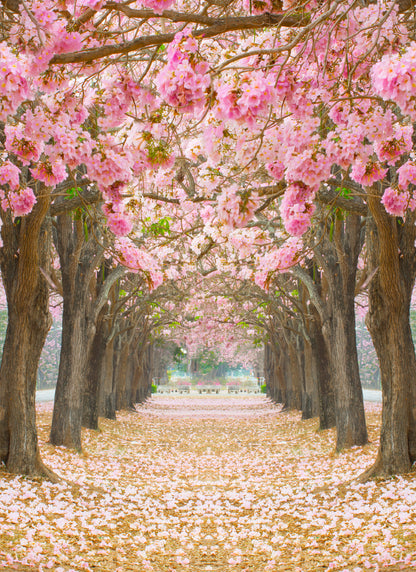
{"x": 208, "y": 483}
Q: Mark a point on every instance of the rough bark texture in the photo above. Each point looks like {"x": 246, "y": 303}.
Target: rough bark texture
{"x": 391, "y": 250}
{"x": 322, "y": 372}
{"x": 107, "y": 396}
{"x": 26, "y": 248}
{"x": 94, "y": 374}
{"x": 310, "y": 396}
{"x": 340, "y": 258}
{"x": 78, "y": 260}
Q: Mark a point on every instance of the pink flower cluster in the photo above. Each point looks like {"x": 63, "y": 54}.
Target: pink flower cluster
{"x": 395, "y": 202}
{"x": 119, "y": 95}
{"x": 110, "y": 167}
{"x": 234, "y": 210}
{"x": 119, "y": 223}
{"x": 407, "y": 174}
{"x": 278, "y": 259}
{"x": 367, "y": 173}
{"x": 9, "y": 175}
{"x": 393, "y": 78}
{"x": 391, "y": 149}
{"x": 184, "y": 80}
{"x": 247, "y": 100}
{"x": 136, "y": 260}
{"x": 50, "y": 172}
{"x": 309, "y": 167}
{"x": 20, "y": 202}
{"x": 25, "y": 149}
{"x": 297, "y": 208}
{"x": 14, "y": 88}
{"x": 158, "y": 6}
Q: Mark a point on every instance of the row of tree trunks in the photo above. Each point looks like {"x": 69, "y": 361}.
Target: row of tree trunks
{"x": 339, "y": 259}
{"x": 289, "y": 370}
{"x": 79, "y": 259}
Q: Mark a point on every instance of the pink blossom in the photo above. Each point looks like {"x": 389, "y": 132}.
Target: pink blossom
{"x": 158, "y": 6}
{"x": 67, "y": 42}
{"x": 9, "y": 174}
{"x": 119, "y": 223}
{"x": 367, "y": 173}
{"x": 50, "y": 172}
{"x": 21, "y": 202}
{"x": 407, "y": 174}
{"x": 247, "y": 100}
{"x": 183, "y": 81}
{"x": 392, "y": 149}
{"x": 395, "y": 202}
{"x": 394, "y": 78}
{"x": 16, "y": 143}
{"x": 14, "y": 87}
{"x": 297, "y": 209}
{"x": 276, "y": 169}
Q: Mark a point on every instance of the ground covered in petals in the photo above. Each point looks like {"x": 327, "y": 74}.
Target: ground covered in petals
{"x": 204, "y": 483}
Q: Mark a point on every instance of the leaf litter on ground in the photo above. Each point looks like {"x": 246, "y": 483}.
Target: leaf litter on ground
{"x": 201, "y": 483}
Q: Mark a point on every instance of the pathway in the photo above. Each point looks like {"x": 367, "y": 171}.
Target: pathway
{"x": 208, "y": 483}
{"x": 48, "y": 395}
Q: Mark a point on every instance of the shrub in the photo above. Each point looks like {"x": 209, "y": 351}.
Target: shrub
{"x": 263, "y": 388}
{"x": 153, "y": 388}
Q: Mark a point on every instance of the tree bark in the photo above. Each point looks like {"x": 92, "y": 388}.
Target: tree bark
{"x": 78, "y": 259}
{"x": 340, "y": 267}
{"x": 391, "y": 250}
{"x": 107, "y": 397}
{"x": 25, "y": 250}
{"x": 321, "y": 367}
{"x": 94, "y": 374}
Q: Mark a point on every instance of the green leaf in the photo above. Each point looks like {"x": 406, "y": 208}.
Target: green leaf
{"x": 343, "y": 192}
{"x": 161, "y": 227}
{"x": 72, "y": 192}
{"x": 331, "y": 231}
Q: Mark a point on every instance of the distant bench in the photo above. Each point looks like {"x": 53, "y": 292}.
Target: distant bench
{"x": 209, "y": 388}
{"x": 176, "y": 389}
{"x": 238, "y": 389}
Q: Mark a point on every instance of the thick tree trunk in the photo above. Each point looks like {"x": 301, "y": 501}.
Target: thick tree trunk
{"x": 26, "y": 248}
{"x": 94, "y": 374}
{"x": 294, "y": 383}
{"x": 107, "y": 398}
{"x": 322, "y": 371}
{"x": 349, "y": 403}
{"x": 340, "y": 258}
{"x": 391, "y": 253}
{"x": 122, "y": 398}
{"x": 67, "y": 412}
{"x": 310, "y": 399}
{"x": 78, "y": 261}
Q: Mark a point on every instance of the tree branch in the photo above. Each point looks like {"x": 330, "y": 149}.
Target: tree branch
{"x": 221, "y": 26}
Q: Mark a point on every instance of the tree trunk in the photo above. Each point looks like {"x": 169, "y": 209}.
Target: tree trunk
{"x": 122, "y": 400}
{"x": 340, "y": 258}
{"x": 322, "y": 371}
{"x": 390, "y": 246}
{"x": 94, "y": 374}
{"x": 310, "y": 400}
{"x": 26, "y": 249}
{"x": 107, "y": 398}
{"x": 78, "y": 261}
